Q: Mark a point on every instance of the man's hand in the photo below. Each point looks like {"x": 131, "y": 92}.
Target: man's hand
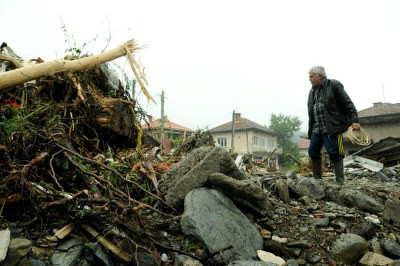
{"x": 356, "y": 126}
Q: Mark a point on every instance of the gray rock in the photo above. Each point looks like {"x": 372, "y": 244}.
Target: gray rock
{"x": 291, "y": 174}
{"x": 330, "y": 215}
{"x": 68, "y": 253}
{"x": 182, "y": 168}
{"x": 301, "y": 261}
{"x": 299, "y": 244}
{"x": 144, "y": 258}
{"x": 193, "y": 172}
{"x": 392, "y": 210}
{"x": 366, "y": 230}
{"x": 306, "y": 200}
{"x": 391, "y": 248}
{"x": 375, "y": 246}
{"x": 349, "y": 248}
{"x": 303, "y": 229}
{"x": 395, "y": 263}
{"x": 141, "y": 257}
{"x": 251, "y": 263}
{"x": 242, "y": 193}
{"x": 4, "y": 242}
{"x": 321, "y": 222}
{"x": 17, "y": 249}
{"x": 314, "y": 259}
{"x": 293, "y": 193}
{"x": 311, "y": 187}
{"x": 183, "y": 260}
{"x": 276, "y": 248}
{"x": 292, "y": 262}
{"x": 33, "y": 262}
{"x": 353, "y": 198}
{"x": 282, "y": 190}
{"x": 213, "y": 219}
{"x": 102, "y": 255}
{"x": 374, "y": 259}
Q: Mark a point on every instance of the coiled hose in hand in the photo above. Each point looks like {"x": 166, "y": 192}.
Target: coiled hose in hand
{"x": 360, "y": 138}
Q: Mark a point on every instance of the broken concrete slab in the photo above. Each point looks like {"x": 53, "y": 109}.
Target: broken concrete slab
{"x": 363, "y": 162}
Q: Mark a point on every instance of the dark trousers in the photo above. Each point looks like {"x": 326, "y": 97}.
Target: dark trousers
{"x": 332, "y": 143}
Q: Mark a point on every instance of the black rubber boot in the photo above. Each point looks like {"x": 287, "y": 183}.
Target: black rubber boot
{"x": 339, "y": 172}
{"x": 317, "y": 168}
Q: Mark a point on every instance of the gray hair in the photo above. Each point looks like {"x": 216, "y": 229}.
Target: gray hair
{"x": 319, "y": 70}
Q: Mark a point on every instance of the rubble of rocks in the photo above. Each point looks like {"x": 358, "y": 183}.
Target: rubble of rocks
{"x": 234, "y": 218}
{"x": 81, "y": 185}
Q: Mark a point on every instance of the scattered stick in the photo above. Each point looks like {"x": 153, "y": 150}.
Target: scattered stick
{"x": 66, "y": 230}
{"x": 123, "y": 179}
{"x": 107, "y": 244}
{"x": 174, "y": 249}
{"x": 36, "y": 160}
{"x": 53, "y": 173}
{"x": 117, "y": 191}
{"x": 63, "y": 201}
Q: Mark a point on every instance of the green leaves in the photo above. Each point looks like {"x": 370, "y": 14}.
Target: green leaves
{"x": 285, "y": 126}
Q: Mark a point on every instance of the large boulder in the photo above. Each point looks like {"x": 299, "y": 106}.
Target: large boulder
{"x": 242, "y": 193}
{"x": 392, "y": 210}
{"x": 193, "y": 172}
{"x": 361, "y": 201}
{"x": 349, "y": 248}
{"x": 213, "y": 219}
{"x": 313, "y": 188}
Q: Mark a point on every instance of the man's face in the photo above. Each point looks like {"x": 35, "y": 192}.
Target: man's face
{"x": 315, "y": 79}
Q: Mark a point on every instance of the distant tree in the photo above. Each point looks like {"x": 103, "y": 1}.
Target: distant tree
{"x": 286, "y": 126}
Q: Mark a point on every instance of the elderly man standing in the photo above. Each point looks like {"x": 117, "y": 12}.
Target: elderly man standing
{"x": 330, "y": 112}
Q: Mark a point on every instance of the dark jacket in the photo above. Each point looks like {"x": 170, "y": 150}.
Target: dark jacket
{"x": 339, "y": 110}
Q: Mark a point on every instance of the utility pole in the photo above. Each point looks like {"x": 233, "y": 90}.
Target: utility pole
{"x": 233, "y": 132}
{"x": 162, "y": 121}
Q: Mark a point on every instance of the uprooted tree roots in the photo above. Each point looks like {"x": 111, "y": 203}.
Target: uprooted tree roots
{"x": 70, "y": 154}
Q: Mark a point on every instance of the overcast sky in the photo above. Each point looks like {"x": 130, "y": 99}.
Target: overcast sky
{"x": 214, "y": 56}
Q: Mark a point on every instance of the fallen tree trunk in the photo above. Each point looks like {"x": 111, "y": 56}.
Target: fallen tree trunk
{"x": 28, "y": 73}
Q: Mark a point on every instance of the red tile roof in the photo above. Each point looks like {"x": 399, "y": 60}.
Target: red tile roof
{"x": 168, "y": 125}
{"x": 303, "y": 143}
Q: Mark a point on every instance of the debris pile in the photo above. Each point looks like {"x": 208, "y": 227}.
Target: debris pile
{"x": 80, "y": 184}
{"x": 73, "y": 157}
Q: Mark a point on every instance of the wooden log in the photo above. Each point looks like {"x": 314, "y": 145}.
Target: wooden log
{"x": 28, "y": 73}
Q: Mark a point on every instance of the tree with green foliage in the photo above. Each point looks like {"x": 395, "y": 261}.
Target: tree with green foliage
{"x": 285, "y": 126}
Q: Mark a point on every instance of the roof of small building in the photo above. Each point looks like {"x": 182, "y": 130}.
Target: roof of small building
{"x": 303, "y": 143}
{"x": 168, "y": 125}
{"x": 380, "y": 109}
{"x": 241, "y": 123}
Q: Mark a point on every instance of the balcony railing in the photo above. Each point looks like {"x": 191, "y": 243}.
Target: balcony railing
{"x": 267, "y": 150}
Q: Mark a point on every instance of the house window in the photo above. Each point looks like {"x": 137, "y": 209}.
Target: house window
{"x": 222, "y": 142}
{"x": 263, "y": 142}
{"x": 255, "y": 140}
